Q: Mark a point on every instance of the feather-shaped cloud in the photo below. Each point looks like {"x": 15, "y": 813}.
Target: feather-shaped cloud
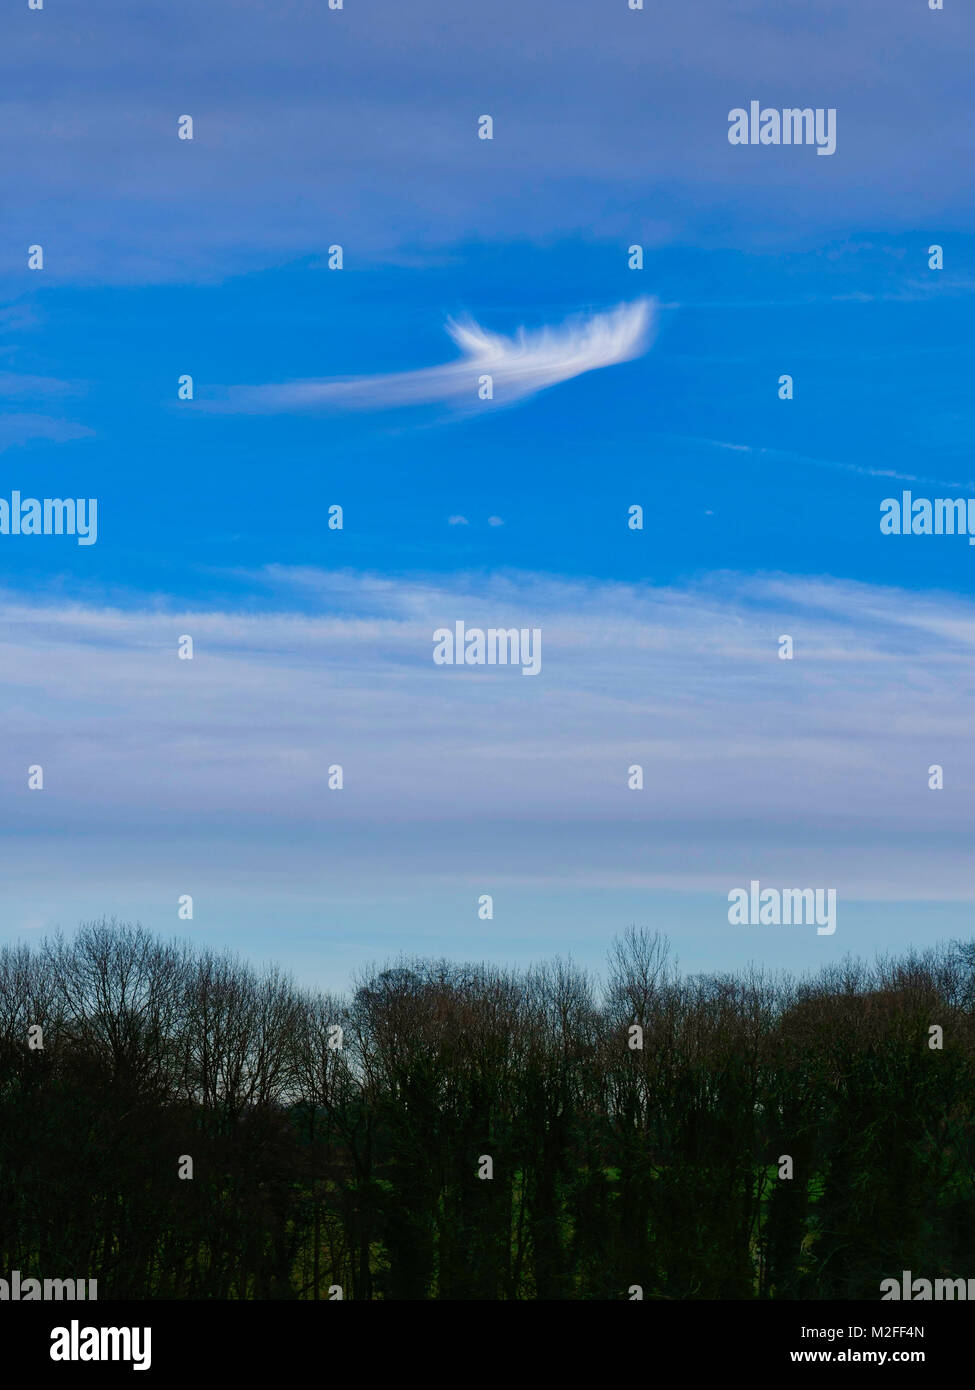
{"x": 519, "y": 366}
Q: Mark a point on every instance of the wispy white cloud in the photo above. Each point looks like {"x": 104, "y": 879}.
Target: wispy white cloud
{"x": 518, "y": 366}
{"x": 810, "y": 770}
{"x": 790, "y": 456}
{"x": 18, "y": 384}
{"x": 407, "y": 175}
{"x": 22, "y": 428}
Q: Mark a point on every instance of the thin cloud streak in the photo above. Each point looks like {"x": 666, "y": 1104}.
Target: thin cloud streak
{"x": 761, "y": 451}
{"x": 812, "y": 770}
{"x": 520, "y": 366}
{"x": 24, "y": 428}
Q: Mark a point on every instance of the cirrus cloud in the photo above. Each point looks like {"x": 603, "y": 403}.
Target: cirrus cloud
{"x": 519, "y": 366}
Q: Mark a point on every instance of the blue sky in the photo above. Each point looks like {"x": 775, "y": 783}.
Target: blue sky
{"x": 313, "y": 646}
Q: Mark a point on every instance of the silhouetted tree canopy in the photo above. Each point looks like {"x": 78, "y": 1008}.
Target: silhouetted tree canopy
{"x": 339, "y": 1141}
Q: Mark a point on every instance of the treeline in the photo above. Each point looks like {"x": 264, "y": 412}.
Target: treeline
{"x": 342, "y": 1142}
